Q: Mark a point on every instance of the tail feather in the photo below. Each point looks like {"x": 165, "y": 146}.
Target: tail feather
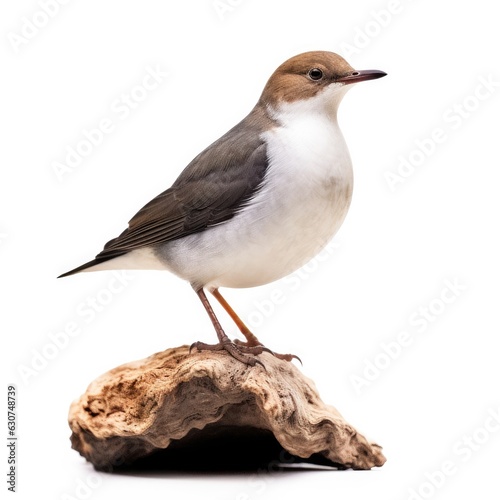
{"x": 92, "y": 263}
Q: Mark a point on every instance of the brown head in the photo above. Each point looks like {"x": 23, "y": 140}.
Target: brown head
{"x": 306, "y": 75}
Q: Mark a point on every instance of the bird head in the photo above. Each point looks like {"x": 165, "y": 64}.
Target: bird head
{"x": 315, "y": 80}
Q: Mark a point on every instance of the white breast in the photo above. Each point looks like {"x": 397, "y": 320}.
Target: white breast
{"x": 304, "y": 199}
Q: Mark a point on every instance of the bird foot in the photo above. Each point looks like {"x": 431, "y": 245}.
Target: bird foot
{"x": 243, "y": 353}
{"x": 284, "y": 357}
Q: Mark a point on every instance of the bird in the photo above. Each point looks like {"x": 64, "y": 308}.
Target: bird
{"x": 258, "y": 203}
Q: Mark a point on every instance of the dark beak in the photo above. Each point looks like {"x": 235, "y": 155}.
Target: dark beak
{"x": 361, "y": 76}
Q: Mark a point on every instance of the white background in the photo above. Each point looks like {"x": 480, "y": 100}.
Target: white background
{"x": 393, "y": 255}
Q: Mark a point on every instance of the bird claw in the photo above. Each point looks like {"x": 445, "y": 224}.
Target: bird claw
{"x": 288, "y": 357}
{"x": 243, "y": 349}
{"x": 201, "y": 346}
{"x": 284, "y": 357}
{"x": 245, "y": 354}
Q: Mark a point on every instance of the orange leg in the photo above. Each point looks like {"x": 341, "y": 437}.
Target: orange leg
{"x": 245, "y": 354}
{"x": 252, "y": 340}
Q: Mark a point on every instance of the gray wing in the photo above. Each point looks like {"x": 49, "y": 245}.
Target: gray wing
{"x": 210, "y": 190}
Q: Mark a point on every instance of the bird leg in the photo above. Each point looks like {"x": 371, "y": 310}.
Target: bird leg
{"x": 241, "y": 353}
{"x": 252, "y": 340}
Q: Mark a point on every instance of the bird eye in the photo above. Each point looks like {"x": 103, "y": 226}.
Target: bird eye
{"x": 315, "y": 74}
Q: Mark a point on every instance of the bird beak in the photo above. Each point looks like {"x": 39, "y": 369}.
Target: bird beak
{"x": 361, "y": 76}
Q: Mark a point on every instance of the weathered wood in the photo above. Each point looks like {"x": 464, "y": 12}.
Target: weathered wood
{"x": 174, "y": 397}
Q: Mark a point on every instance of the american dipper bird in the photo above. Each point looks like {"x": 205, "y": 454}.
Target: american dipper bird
{"x": 259, "y": 202}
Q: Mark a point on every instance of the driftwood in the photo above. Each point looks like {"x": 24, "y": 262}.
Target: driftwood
{"x": 206, "y": 408}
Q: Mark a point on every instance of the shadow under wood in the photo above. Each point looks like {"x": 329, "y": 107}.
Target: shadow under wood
{"x": 226, "y": 449}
